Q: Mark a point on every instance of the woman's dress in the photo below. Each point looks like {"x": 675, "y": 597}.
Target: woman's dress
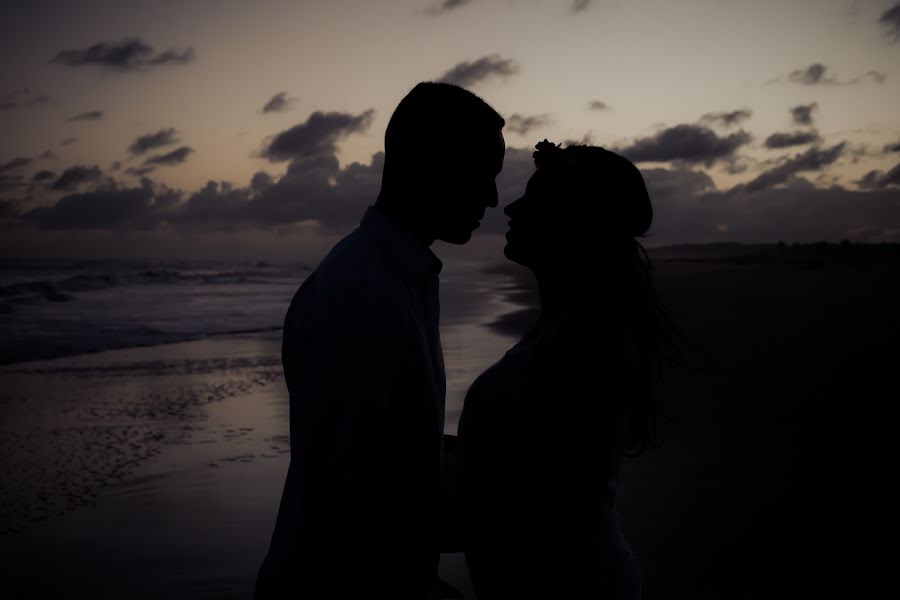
{"x": 540, "y": 453}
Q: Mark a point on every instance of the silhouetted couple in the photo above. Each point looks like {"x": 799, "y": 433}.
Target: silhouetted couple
{"x": 375, "y": 490}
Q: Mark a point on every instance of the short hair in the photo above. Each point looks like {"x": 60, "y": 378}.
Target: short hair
{"x": 434, "y": 119}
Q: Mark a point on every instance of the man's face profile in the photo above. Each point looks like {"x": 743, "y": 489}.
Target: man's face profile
{"x": 468, "y": 187}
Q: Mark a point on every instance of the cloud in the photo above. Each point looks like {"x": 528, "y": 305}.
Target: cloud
{"x": 814, "y": 159}
{"x": 318, "y": 193}
{"x": 468, "y": 73}
{"x": 690, "y": 144}
{"x": 48, "y": 155}
{"x": 728, "y": 118}
{"x": 316, "y": 136}
{"x": 23, "y": 98}
{"x": 108, "y": 207}
{"x": 127, "y": 55}
{"x": 801, "y": 213}
{"x": 802, "y": 113}
{"x": 878, "y": 77}
{"x": 75, "y": 176}
{"x": 880, "y": 179}
{"x": 43, "y": 175}
{"x": 91, "y": 115}
{"x": 11, "y": 182}
{"x": 814, "y": 74}
{"x": 15, "y": 163}
{"x": 792, "y": 138}
{"x": 819, "y": 74}
{"x": 175, "y": 157}
{"x": 139, "y": 171}
{"x": 598, "y": 105}
{"x": 68, "y": 141}
{"x": 149, "y": 141}
{"x": 445, "y": 6}
{"x": 522, "y": 124}
{"x": 891, "y": 148}
{"x": 580, "y": 5}
{"x": 280, "y": 102}
{"x": 890, "y": 20}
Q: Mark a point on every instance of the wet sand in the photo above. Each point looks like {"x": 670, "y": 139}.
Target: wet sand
{"x": 156, "y": 472}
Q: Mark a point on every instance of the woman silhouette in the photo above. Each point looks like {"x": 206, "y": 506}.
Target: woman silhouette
{"x": 543, "y": 431}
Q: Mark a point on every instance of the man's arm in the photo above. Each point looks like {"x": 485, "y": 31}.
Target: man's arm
{"x": 349, "y": 387}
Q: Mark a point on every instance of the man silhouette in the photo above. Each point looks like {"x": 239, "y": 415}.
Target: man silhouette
{"x": 360, "y": 513}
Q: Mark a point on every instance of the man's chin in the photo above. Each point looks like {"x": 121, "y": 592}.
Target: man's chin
{"x": 457, "y": 237}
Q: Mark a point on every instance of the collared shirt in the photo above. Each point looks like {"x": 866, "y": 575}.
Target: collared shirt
{"x": 421, "y": 268}
{"x": 376, "y": 294}
{"x": 363, "y": 365}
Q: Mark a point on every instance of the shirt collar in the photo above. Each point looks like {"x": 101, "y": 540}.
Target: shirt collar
{"x": 415, "y": 260}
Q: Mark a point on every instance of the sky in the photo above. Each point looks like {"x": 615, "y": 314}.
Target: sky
{"x": 255, "y": 129}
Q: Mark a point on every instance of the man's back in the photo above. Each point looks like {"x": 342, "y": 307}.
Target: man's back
{"x": 362, "y": 363}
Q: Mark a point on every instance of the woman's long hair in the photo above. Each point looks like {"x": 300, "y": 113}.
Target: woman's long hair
{"x": 609, "y": 193}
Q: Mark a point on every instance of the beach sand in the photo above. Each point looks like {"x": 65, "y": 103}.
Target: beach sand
{"x": 156, "y": 472}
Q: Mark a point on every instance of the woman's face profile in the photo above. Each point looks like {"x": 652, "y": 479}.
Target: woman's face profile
{"x": 538, "y": 232}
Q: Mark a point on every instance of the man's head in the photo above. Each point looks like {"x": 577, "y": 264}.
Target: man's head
{"x": 443, "y": 149}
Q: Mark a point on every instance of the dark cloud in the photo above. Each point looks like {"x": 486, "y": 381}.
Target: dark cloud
{"x": 814, "y": 74}
{"x": 792, "y": 138}
{"x": 139, "y": 171}
{"x": 108, "y": 207}
{"x": 129, "y": 54}
{"x": 43, "y": 175}
{"x": 445, "y": 6}
{"x": 891, "y": 148}
{"x": 890, "y": 20}
{"x": 68, "y": 141}
{"x": 468, "y": 73}
{"x": 819, "y": 74}
{"x": 814, "y": 159}
{"x": 115, "y": 165}
{"x": 580, "y": 5}
{"x": 801, "y": 213}
{"x": 880, "y": 179}
{"x": 23, "y": 98}
{"x": 802, "y": 113}
{"x": 12, "y": 182}
{"x": 315, "y": 189}
{"x": 48, "y": 155}
{"x": 149, "y": 141}
{"x": 522, "y": 124}
{"x": 690, "y": 144}
{"x": 91, "y": 115}
{"x": 15, "y": 163}
{"x": 175, "y": 157}
{"x": 598, "y": 105}
{"x": 728, "y": 118}
{"x": 280, "y": 102}
{"x": 316, "y": 136}
{"x": 75, "y": 176}
{"x": 877, "y": 76}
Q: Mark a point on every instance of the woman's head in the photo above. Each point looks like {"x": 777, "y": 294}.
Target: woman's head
{"x": 584, "y": 205}
{"x": 575, "y": 227}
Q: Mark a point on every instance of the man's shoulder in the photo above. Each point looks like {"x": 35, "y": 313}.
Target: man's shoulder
{"x": 355, "y": 273}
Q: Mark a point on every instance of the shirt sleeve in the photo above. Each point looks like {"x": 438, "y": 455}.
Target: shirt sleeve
{"x": 347, "y": 380}
{"x": 368, "y": 515}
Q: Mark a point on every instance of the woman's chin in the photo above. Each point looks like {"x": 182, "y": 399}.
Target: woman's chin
{"x": 509, "y": 251}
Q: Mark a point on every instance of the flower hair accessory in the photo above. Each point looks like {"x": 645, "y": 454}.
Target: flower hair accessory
{"x": 550, "y": 155}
